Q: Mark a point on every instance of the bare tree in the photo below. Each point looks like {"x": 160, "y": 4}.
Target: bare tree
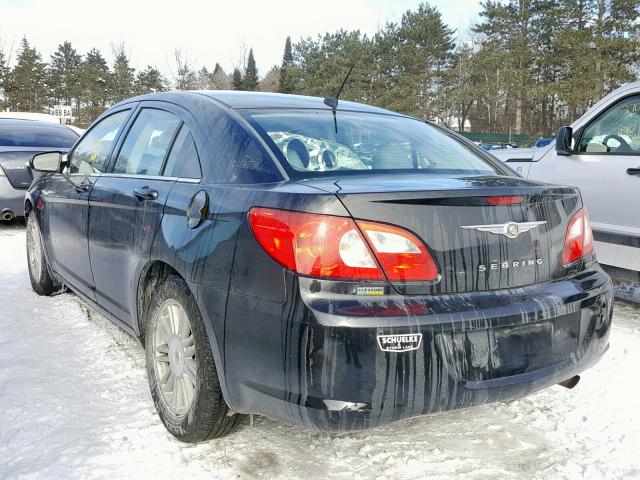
{"x": 184, "y": 77}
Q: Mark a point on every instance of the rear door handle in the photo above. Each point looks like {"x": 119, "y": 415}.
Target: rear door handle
{"x": 145, "y": 193}
{"x": 633, "y": 171}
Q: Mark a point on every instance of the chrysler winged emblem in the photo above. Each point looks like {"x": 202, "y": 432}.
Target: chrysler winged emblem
{"x": 509, "y": 229}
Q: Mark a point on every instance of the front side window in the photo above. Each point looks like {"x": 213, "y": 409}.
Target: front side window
{"x": 315, "y": 142}
{"x": 92, "y": 152}
{"x": 183, "y": 160}
{"x": 615, "y": 132}
{"x": 145, "y": 148}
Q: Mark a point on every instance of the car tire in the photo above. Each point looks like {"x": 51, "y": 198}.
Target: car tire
{"x": 180, "y": 365}
{"x": 41, "y": 280}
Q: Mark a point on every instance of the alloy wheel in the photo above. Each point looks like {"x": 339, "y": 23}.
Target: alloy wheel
{"x": 174, "y": 354}
{"x": 35, "y": 251}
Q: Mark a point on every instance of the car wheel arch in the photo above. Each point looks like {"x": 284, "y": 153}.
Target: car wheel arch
{"x": 151, "y": 275}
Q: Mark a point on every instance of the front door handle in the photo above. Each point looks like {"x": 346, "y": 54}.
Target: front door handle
{"x": 633, "y": 171}
{"x": 144, "y": 194}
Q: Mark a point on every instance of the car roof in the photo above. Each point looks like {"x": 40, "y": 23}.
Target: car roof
{"x": 24, "y": 122}
{"x": 237, "y": 99}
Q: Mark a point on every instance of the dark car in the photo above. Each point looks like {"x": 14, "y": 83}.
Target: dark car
{"x": 20, "y": 140}
{"x": 497, "y": 146}
{"x": 542, "y": 142}
{"x": 335, "y": 269}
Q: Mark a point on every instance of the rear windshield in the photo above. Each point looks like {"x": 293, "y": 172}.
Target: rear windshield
{"x": 313, "y": 142}
{"x": 36, "y": 136}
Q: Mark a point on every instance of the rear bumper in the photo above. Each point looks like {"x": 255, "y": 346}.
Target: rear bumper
{"x": 11, "y": 198}
{"x": 314, "y": 363}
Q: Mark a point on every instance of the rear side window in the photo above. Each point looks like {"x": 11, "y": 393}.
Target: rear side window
{"x": 147, "y": 143}
{"x": 92, "y": 152}
{"x": 29, "y": 135}
{"x": 239, "y": 157}
{"x": 183, "y": 160}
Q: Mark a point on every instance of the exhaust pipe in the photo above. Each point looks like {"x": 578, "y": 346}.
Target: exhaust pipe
{"x": 7, "y": 215}
{"x": 570, "y": 382}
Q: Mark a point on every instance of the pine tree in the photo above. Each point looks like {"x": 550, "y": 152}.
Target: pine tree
{"x": 94, "y": 79}
{"x": 203, "y": 79}
{"x": 237, "y": 82}
{"x": 26, "y": 89}
{"x": 185, "y": 77}
{"x": 423, "y": 51}
{"x": 64, "y": 75}
{"x": 510, "y": 28}
{"x": 219, "y": 79}
{"x": 149, "y": 80}
{"x": 270, "y": 82}
{"x": 250, "y": 80}
{"x": 121, "y": 81}
{"x": 603, "y": 35}
{"x": 287, "y": 81}
{"x": 322, "y": 64}
{"x": 4, "y": 77}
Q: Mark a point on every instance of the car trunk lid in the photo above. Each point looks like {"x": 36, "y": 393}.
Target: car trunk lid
{"x": 470, "y": 239}
{"x": 14, "y": 165}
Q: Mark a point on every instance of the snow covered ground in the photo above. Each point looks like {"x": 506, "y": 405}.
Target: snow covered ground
{"x": 74, "y": 403}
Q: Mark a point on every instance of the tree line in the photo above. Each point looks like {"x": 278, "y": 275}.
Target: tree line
{"x": 527, "y": 66}
{"x": 90, "y": 85}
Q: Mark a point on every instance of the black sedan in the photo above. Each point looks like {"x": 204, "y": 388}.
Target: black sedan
{"x": 332, "y": 266}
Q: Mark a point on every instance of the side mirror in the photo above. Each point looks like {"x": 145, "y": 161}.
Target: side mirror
{"x": 564, "y": 141}
{"x": 47, "y": 162}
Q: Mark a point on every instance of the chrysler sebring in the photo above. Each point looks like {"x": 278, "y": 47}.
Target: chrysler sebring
{"x": 327, "y": 264}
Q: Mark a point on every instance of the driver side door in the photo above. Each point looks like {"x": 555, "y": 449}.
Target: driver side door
{"x": 67, "y": 199}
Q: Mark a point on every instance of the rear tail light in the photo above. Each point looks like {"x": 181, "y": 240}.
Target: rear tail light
{"x": 333, "y": 247}
{"x": 578, "y": 241}
{"x": 403, "y": 257}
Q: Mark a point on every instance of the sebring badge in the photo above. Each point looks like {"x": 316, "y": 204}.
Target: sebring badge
{"x": 509, "y": 229}
{"x": 400, "y": 343}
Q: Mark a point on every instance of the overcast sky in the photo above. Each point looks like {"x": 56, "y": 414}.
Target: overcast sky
{"x": 206, "y": 31}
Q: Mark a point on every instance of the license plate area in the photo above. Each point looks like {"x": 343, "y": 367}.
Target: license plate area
{"x": 480, "y": 355}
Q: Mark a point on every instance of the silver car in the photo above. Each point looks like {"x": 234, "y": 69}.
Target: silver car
{"x": 20, "y": 140}
{"x": 600, "y": 154}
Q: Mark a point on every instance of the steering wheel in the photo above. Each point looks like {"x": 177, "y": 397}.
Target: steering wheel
{"x": 624, "y": 146}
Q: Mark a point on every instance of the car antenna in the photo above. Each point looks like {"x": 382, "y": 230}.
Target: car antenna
{"x": 332, "y": 102}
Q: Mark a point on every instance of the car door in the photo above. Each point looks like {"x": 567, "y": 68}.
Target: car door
{"x": 126, "y": 206}
{"x": 606, "y": 168}
{"x": 67, "y": 200}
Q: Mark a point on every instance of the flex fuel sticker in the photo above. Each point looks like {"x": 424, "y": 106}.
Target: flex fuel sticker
{"x": 370, "y": 291}
{"x": 400, "y": 343}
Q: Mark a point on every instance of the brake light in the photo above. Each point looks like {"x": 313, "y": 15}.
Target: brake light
{"x": 509, "y": 200}
{"x": 314, "y": 245}
{"x": 578, "y": 241}
{"x": 333, "y": 247}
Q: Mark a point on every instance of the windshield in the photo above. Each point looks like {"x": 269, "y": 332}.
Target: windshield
{"x": 313, "y": 142}
{"x": 28, "y": 135}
